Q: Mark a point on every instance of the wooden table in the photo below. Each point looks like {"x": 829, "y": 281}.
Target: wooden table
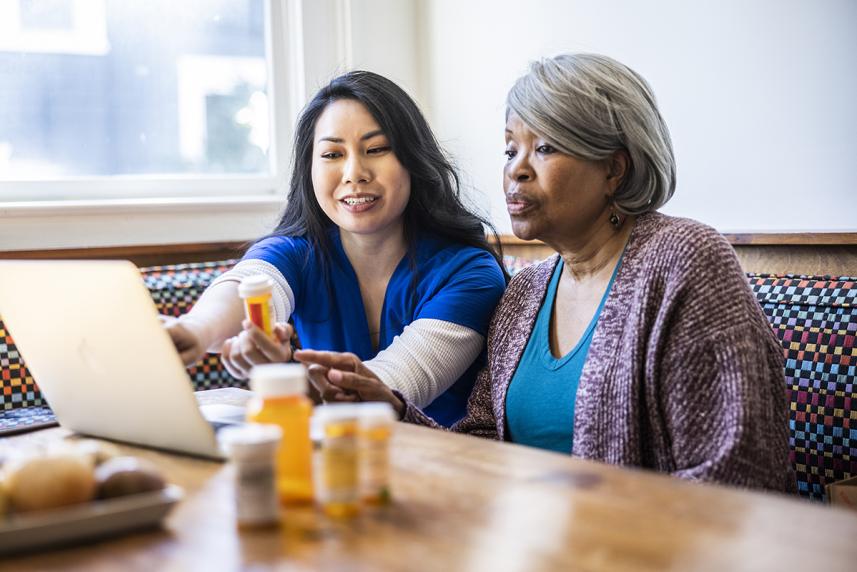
{"x": 468, "y": 504}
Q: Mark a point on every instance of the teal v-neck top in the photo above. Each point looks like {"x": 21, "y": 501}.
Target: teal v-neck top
{"x": 438, "y": 279}
{"x": 541, "y": 396}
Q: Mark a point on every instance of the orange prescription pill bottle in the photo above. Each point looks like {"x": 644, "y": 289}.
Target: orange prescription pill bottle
{"x": 375, "y": 430}
{"x": 280, "y": 399}
{"x": 257, "y": 293}
{"x": 338, "y": 474}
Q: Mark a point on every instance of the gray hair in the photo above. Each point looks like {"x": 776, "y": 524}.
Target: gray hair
{"x": 590, "y": 106}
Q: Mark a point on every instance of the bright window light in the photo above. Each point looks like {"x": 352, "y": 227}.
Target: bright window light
{"x": 127, "y": 88}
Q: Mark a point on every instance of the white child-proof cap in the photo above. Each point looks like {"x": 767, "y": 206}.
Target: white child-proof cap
{"x": 278, "y": 379}
{"x": 367, "y": 413}
{"x": 336, "y": 412}
{"x": 376, "y": 413}
{"x": 256, "y": 285}
{"x": 249, "y": 441}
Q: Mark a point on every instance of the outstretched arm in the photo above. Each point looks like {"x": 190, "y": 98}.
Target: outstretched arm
{"x": 216, "y": 316}
{"x": 427, "y": 359}
{"x": 342, "y": 377}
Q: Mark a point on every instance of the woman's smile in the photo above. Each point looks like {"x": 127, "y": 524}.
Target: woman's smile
{"x": 358, "y": 203}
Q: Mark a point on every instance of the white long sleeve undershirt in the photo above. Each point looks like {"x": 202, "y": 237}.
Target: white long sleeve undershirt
{"x": 283, "y": 296}
{"x": 426, "y": 359}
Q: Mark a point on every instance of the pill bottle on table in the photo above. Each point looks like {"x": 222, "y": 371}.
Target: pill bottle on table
{"x": 338, "y": 474}
{"x": 376, "y": 422}
{"x": 280, "y": 398}
{"x": 257, "y": 293}
{"x": 251, "y": 450}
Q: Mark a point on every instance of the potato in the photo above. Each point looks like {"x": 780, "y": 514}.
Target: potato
{"x": 122, "y": 476}
{"x": 50, "y": 481}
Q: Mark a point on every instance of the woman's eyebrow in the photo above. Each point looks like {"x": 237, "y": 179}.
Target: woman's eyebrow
{"x": 364, "y": 137}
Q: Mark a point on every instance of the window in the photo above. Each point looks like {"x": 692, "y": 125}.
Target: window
{"x": 166, "y": 97}
{"x": 126, "y": 122}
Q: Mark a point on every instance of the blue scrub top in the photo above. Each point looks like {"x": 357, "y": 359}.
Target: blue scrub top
{"x": 439, "y": 280}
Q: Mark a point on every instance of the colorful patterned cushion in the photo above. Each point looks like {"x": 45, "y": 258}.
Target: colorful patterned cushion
{"x": 17, "y": 385}
{"x": 815, "y": 319}
{"x": 176, "y": 288}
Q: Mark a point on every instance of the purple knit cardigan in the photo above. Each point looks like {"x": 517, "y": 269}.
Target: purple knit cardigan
{"x": 684, "y": 374}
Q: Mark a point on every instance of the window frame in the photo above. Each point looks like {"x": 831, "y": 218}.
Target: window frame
{"x": 153, "y": 201}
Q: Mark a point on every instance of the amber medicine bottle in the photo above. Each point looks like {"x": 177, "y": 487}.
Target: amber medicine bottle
{"x": 257, "y": 293}
{"x": 375, "y": 428}
{"x": 338, "y": 474}
{"x": 280, "y": 399}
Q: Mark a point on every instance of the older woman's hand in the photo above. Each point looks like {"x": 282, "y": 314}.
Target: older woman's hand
{"x": 252, "y": 347}
{"x": 342, "y": 377}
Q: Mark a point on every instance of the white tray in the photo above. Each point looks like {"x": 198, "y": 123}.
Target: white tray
{"x": 84, "y": 522}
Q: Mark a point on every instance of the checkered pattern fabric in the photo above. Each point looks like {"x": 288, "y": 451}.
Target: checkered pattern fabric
{"x": 815, "y": 319}
{"x": 177, "y": 287}
{"x": 17, "y": 388}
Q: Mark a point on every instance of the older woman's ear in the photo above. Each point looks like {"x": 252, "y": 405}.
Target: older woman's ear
{"x": 619, "y": 163}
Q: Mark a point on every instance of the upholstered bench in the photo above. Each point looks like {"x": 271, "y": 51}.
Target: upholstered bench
{"x": 814, "y": 317}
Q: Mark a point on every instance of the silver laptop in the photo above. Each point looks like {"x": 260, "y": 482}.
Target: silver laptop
{"x": 90, "y": 334}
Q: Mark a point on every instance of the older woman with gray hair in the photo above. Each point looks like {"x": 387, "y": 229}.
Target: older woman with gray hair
{"x": 639, "y": 343}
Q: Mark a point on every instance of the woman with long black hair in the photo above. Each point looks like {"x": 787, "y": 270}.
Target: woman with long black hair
{"x": 375, "y": 256}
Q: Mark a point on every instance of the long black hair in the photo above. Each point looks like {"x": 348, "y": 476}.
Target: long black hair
{"x": 435, "y": 203}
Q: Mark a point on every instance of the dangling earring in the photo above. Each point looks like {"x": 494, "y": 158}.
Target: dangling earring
{"x": 615, "y": 220}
